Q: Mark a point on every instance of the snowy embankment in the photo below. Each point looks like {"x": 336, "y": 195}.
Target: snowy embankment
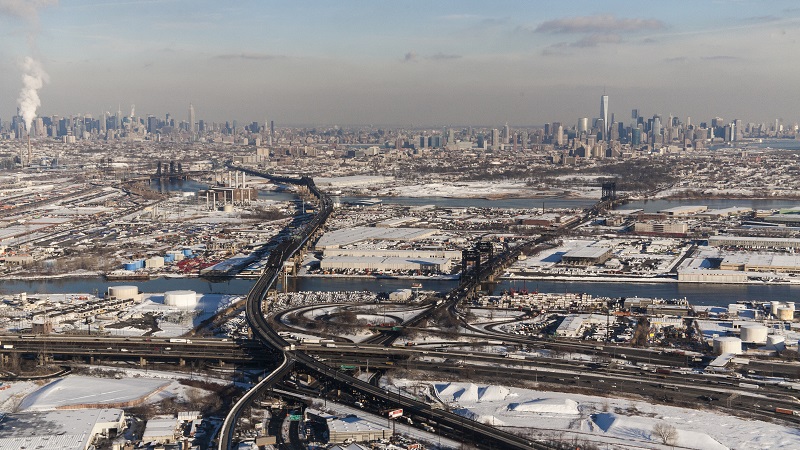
{"x": 620, "y": 423}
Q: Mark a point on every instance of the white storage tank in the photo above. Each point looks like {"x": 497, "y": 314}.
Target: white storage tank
{"x": 177, "y": 255}
{"x": 734, "y": 308}
{"x": 790, "y": 305}
{"x": 773, "y": 307}
{"x": 123, "y": 292}
{"x": 154, "y": 262}
{"x": 727, "y": 344}
{"x": 181, "y": 299}
{"x": 754, "y": 333}
{"x": 786, "y": 314}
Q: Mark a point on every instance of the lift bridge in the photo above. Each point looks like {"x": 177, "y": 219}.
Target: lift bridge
{"x": 169, "y": 171}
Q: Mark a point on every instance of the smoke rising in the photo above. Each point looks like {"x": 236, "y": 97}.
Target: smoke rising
{"x": 33, "y": 78}
{"x": 24, "y": 9}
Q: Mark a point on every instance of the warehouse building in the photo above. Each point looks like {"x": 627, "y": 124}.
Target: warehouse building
{"x": 349, "y": 236}
{"x": 587, "y": 256}
{"x": 665, "y": 228}
{"x": 753, "y": 262}
{"x": 687, "y": 210}
{"x": 753, "y": 242}
{"x": 416, "y": 253}
{"x": 384, "y": 264}
{"x": 60, "y": 429}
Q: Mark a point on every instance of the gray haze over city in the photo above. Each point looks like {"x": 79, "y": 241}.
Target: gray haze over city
{"x": 404, "y": 63}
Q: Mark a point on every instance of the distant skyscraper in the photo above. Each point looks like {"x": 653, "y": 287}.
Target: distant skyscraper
{"x": 191, "y": 120}
{"x": 495, "y": 138}
{"x": 560, "y": 135}
{"x": 506, "y": 134}
{"x": 583, "y": 125}
{"x": 604, "y": 115}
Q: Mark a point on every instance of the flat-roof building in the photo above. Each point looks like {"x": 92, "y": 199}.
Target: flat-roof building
{"x": 586, "y": 256}
{"x": 59, "y": 429}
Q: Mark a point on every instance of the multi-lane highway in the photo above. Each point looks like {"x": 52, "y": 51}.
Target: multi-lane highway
{"x": 488, "y": 436}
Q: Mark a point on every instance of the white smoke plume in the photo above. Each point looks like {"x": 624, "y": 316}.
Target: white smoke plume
{"x": 33, "y": 78}
{"x": 24, "y": 9}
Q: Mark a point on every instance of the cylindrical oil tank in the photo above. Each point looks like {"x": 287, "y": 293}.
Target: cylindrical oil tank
{"x": 790, "y": 305}
{"x": 23, "y": 296}
{"x": 734, "y": 308}
{"x": 181, "y": 299}
{"x": 773, "y": 307}
{"x": 727, "y": 344}
{"x": 754, "y": 333}
{"x": 154, "y": 262}
{"x": 130, "y": 265}
{"x": 123, "y": 292}
{"x": 785, "y": 313}
{"x": 187, "y": 252}
{"x": 169, "y": 257}
{"x": 227, "y": 208}
{"x": 177, "y": 255}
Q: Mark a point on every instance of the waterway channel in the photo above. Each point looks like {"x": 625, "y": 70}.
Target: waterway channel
{"x": 700, "y": 294}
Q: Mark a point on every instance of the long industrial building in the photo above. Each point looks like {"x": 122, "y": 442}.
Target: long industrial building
{"x": 349, "y": 236}
{"x": 753, "y": 242}
{"x": 380, "y": 263}
{"x": 755, "y": 262}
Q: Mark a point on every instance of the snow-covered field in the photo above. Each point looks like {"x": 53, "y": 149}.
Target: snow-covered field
{"x": 619, "y": 423}
{"x": 468, "y": 189}
{"x": 80, "y": 390}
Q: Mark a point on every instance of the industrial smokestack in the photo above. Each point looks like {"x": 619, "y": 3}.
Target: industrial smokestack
{"x": 29, "y": 148}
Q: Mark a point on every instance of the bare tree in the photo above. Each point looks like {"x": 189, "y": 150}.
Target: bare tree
{"x": 666, "y": 432}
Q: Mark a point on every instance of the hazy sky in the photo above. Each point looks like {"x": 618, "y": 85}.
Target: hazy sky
{"x": 407, "y": 62}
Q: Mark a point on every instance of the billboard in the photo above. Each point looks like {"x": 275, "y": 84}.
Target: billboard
{"x": 395, "y": 413}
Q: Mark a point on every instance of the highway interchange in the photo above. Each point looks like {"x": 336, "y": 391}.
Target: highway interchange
{"x": 586, "y": 368}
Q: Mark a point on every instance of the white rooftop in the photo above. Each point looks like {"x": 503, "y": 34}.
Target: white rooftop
{"x": 54, "y": 430}
{"x": 347, "y": 236}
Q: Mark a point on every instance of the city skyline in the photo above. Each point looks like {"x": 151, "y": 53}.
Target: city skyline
{"x": 406, "y": 64}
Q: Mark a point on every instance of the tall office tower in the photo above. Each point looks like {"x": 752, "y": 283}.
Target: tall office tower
{"x": 604, "y": 115}
{"x": 191, "y": 119}
{"x": 738, "y": 129}
{"x": 495, "y": 138}
{"x": 614, "y": 131}
{"x": 583, "y": 125}
{"x": 601, "y": 126}
{"x": 656, "y": 130}
{"x": 271, "y": 127}
{"x": 560, "y": 135}
{"x": 451, "y": 136}
{"x": 506, "y": 134}
{"x": 523, "y": 139}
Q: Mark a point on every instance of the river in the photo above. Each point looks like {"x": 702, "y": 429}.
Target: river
{"x": 700, "y": 294}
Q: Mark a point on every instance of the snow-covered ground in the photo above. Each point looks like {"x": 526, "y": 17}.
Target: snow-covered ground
{"x": 174, "y": 321}
{"x": 619, "y": 423}
{"x": 76, "y": 390}
{"x": 468, "y": 189}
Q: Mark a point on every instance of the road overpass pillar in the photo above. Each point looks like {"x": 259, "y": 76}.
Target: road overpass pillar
{"x": 142, "y": 361}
